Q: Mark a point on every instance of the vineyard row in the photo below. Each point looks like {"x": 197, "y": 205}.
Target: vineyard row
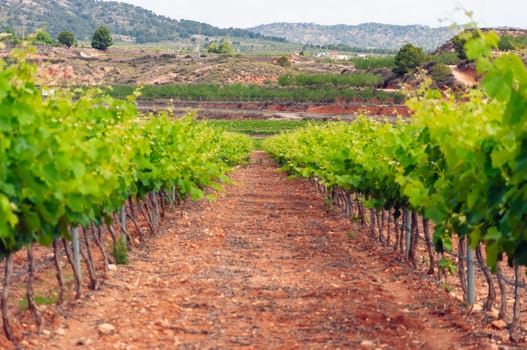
{"x": 461, "y": 162}
{"x": 70, "y": 160}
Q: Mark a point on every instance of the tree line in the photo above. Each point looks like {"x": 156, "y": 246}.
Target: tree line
{"x": 101, "y": 38}
{"x": 243, "y": 92}
{"x": 82, "y": 16}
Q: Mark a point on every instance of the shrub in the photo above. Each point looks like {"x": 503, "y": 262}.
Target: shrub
{"x": 284, "y": 61}
{"x": 440, "y": 73}
{"x": 459, "y": 45}
{"x": 66, "y": 38}
{"x": 448, "y": 58}
{"x": 43, "y": 37}
{"x": 8, "y": 35}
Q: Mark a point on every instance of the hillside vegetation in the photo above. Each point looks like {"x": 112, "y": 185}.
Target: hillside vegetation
{"x": 366, "y": 35}
{"x": 126, "y": 21}
{"x": 131, "y": 23}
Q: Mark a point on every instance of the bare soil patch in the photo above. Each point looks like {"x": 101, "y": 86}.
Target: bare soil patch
{"x": 266, "y": 266}
{"x": 466, "y": 76}
{"x": 268, "y": 110}
{"x": 89, "y": 67}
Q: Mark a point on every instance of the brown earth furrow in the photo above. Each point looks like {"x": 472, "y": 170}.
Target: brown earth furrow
{"x": 266, "y": 266}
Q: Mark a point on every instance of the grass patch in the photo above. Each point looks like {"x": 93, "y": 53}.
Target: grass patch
{"x": 39, "y": 300}
{"x": 353, "y": 234}
{"x": 120, "y": 252}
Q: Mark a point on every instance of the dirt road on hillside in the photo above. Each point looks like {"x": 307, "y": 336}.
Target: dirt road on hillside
{"x": 265, "y": 266}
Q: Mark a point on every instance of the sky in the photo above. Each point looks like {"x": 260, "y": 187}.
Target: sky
{"x": 250, "y": 13}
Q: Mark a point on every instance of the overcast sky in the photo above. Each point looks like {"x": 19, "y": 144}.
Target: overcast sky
{"x": 249, "y": 13}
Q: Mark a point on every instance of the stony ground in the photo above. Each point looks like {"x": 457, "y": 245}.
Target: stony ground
{"x": 265, "y": 266}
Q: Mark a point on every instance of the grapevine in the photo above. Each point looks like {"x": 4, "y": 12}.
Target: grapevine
{"x": 74, "y": 158}
{"x": 460, "y": 162}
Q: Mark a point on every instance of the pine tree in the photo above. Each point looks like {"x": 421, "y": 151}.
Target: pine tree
{"x": 101, "y": 39}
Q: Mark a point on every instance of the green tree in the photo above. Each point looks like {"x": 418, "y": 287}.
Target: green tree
{"x": 225, "y": 48}
{"x": 459, "y": 45}
{"x": 408, "y": 58}
{"x": 213, "y": 48}
{"x": 66, "y": 38}
{"x": 43, "y": 37}
{"x": 101, "y": 39}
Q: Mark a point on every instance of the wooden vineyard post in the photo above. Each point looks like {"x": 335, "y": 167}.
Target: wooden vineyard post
{"x": 429, "y": 244}
{"x": 471, "y": 273}
{"x": 372, "y": 222}
{"x": 173, "y": 195}
{"x": 76, "y": 251}
{"x": 408, "y": 230}
{"x": 122, "y": 213}
{"x": 153, "y": 197}
{"x": 347, "y": 201}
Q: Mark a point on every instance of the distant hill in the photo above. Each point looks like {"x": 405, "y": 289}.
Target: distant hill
{"x": 82, "y": 17}
{"x": 366, "y": 35}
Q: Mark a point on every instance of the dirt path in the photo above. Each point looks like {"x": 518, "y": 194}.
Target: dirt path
{"x": 263, "y": 267}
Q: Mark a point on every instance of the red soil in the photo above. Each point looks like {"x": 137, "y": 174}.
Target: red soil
{"x": 266, "y": 266}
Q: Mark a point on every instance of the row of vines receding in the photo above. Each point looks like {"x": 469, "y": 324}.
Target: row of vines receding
{"x": 457, "y": 168}
{"x": 85, "y": 175}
